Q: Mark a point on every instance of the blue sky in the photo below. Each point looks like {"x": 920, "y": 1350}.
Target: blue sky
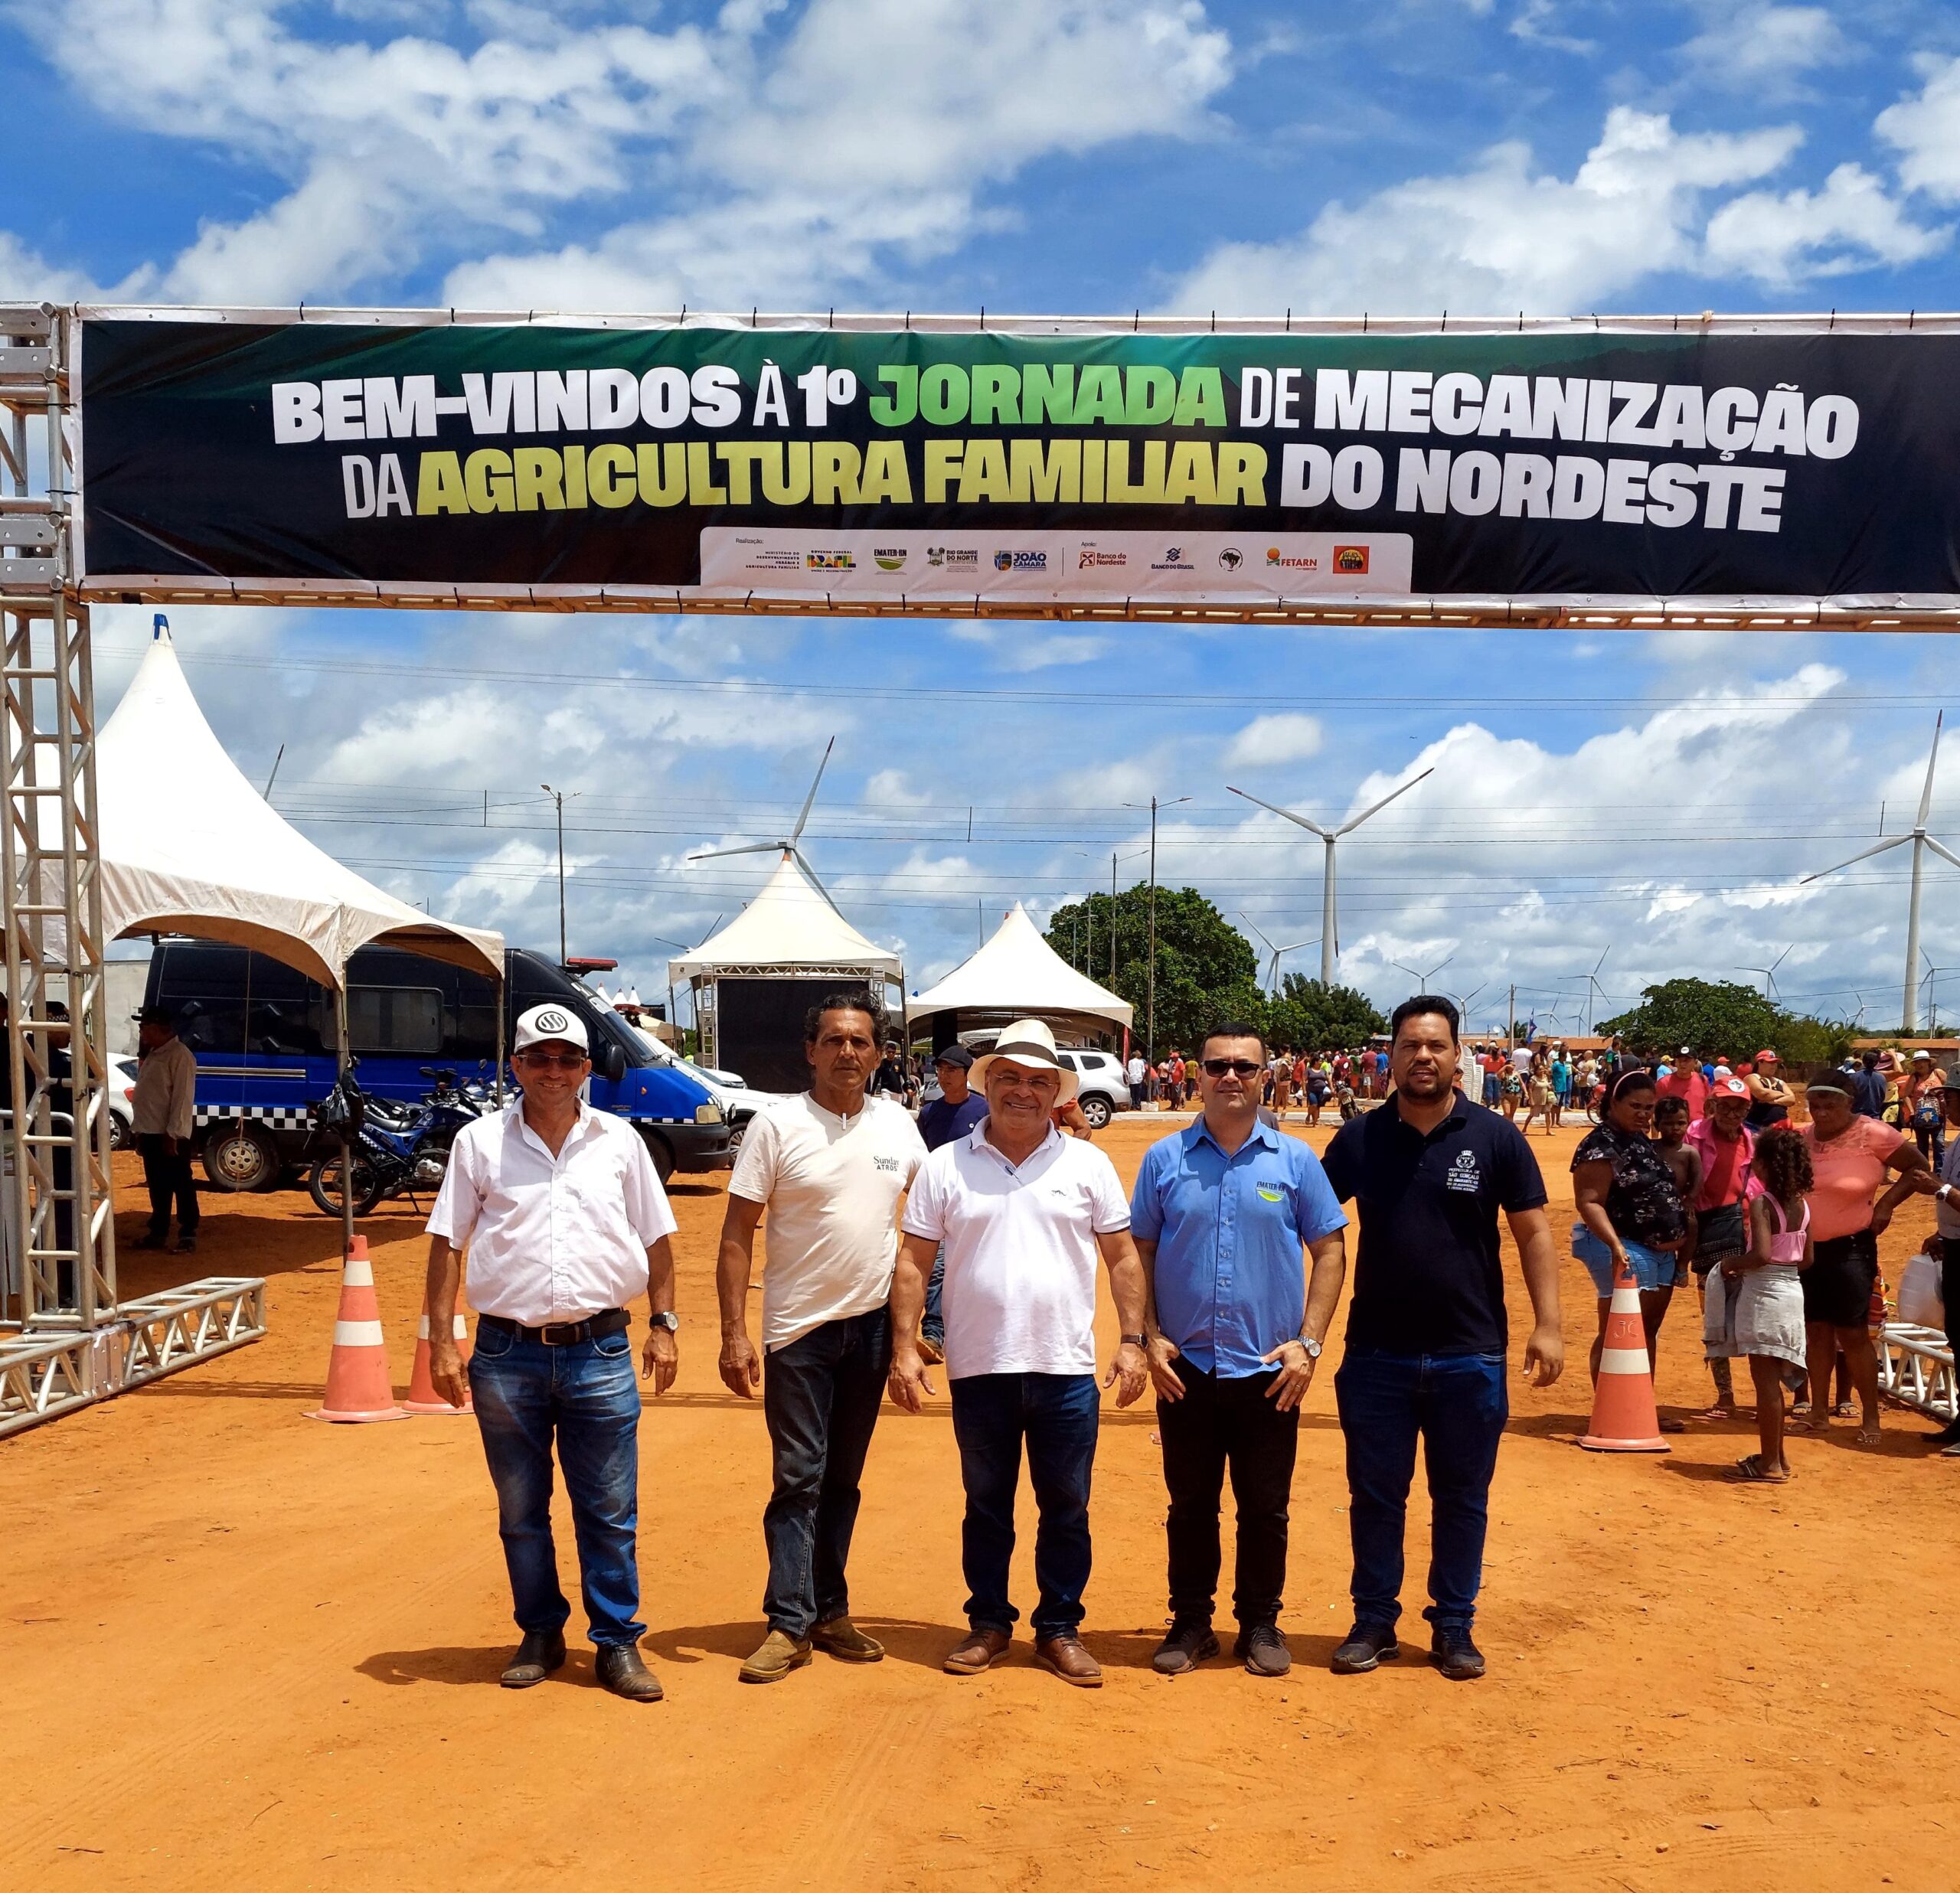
{"x": 1652, "y": 797}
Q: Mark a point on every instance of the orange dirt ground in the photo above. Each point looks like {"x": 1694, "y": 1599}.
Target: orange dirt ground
{"x": 246, "y": 1650}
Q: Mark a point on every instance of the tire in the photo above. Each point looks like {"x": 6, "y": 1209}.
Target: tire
{"x": 238, "y": 1156}
{"x": 120, "y": 1137}
{"x": 1095, "y": 1110}
{"x": 323, "y": 1184}
{"x": 662, "y": 1153}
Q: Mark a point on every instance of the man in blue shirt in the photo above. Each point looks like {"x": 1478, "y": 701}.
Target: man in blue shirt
{"x": 1425, "y": 1349}
{"x": 950, "y": 1116}
{"x": 1223, "y": 1214}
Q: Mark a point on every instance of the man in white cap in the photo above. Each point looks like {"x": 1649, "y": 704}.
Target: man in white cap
{"x": 565, "y": 1222}
{"x": 1022, "y": 1211}
{"x": 827, "y": 1168}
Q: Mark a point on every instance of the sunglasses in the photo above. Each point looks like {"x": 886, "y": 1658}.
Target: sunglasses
{"x": 1238, "y": 1067}
{"x": 552, "y": 1061}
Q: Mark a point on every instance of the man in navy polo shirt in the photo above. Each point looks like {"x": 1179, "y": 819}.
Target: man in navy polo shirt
{"x": 1426, "y": 1336}
{"x": 1223, "y": 1214}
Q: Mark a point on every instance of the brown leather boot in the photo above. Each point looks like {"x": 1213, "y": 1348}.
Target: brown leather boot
{"x": 980, "y": 1650}
{"x": 1067, "y": 1657}
{"x": 842, "y": 1639}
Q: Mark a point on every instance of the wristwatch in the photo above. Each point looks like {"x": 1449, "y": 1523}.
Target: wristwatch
{"x": 665, "y": 1318}
{"x": 1312, "y": 1345}
{"x": 1130, "y": 1341}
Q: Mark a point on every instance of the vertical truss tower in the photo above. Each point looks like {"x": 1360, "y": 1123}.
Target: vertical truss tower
{"x": 66, "y": 1340}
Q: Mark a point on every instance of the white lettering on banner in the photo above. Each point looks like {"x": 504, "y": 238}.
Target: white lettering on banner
{"x": 394, "y": 409}
{"x": 1617, "y": 492}
{"x": 1256, "y": 398}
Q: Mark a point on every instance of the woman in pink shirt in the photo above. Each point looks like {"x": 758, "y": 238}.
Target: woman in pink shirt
{"x": 1850, "y": 1157}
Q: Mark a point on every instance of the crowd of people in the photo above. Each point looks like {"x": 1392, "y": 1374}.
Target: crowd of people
{"x": 1290, "y": 1079}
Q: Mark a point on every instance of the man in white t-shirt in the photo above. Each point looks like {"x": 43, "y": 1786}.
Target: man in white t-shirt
{"x": 829, "y": 1168}
{"x": 1136, "y": 1074}
{"x": 1520, "y": 1060}
{"x": 1022, "y": 1211}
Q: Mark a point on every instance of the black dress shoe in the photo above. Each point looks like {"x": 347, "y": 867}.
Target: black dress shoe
{"x": 1366, "y": 1647}
{"x": 1186, "y": 1646}
{"x": 1947, "y": 1435}
{"x": 540, "y": 1654}
{"x": 621, "y": 1671}
{"x": 1263, "y": 1650}
{"x": 1452, "y": 1653}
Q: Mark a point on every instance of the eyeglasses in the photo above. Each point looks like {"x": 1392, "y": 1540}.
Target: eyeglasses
{"x": 552, "y": 1061}
{"x": 1239, "y": 1067}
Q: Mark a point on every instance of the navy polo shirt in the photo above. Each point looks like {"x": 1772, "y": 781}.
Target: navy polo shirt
{"x": 1428, "y": 1278}
{"x": 1230, "y": 1271}
{"x": 942, "y": 1123}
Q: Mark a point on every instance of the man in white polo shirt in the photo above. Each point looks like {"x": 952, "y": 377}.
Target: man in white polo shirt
{"x": 565, "y": 1222}
{"x": 1022, "y": 1211}
{"x": 828, "y": 1168}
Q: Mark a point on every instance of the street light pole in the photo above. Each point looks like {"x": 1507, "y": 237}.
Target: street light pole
{"x": 558, "y": 797}
{"x": 1150, "y": 978}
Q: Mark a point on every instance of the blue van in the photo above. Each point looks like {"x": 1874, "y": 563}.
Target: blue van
{"x": 266, "y": 1045}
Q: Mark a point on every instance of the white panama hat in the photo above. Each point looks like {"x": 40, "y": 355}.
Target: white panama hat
{"x": 1028, "y": 1042}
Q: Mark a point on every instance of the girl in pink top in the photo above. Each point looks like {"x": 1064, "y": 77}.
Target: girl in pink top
{"x": 1755, "y": 1305}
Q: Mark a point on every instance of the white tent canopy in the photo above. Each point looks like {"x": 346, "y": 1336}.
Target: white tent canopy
{"x": 1019, "y": 975}
{"x": 789, "y": 930}
{"x": 189, "y": 845}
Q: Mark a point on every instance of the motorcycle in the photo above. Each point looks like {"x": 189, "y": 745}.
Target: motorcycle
{"x": 398, "y": 1149}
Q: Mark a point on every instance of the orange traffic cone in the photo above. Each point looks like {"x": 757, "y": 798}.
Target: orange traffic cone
{"x": 357, "y": 1384}
{"x": 1623, "y": 1417}
{"x": 423, "y": 1397}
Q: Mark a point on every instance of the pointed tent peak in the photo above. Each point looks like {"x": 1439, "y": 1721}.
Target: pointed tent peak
{"x": 1017, "y": 973}
{"x": 190, "y": 846}
{"x": 791, "y": 925}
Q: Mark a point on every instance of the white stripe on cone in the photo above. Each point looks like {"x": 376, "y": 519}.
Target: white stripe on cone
{"x": 1623, "y": 1360}
{"x": 357, "y": 1272}
{"x": 357, "y": 1334}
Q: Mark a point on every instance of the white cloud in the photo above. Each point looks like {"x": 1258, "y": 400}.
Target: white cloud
{"x": 1762, "y": 49}
{"x": 1537, "y": 23}
{"x": 28, "y": 276}
{"x": 1925, "y": 130}
{"x": 1020, "y": 647}
{"x": 1850, "y": 225}
{"x": 1501, "y": 235}
{"x": 738, "y": 170}
{"x": 1288, "y": 736}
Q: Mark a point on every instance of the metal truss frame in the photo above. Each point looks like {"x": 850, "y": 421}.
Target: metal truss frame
{"x": 1915, "y": 1366}
{"x": 65, "y": 1341}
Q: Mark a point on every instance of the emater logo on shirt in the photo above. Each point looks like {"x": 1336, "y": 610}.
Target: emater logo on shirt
{"x": 1462, "y": 1173}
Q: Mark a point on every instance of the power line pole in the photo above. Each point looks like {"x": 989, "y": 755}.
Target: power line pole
{"x": 1113, "y": 919}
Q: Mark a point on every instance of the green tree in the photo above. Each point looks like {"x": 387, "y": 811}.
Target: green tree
{"x": 1721, "y": 1016}
{"x": 1319, "y": 1018}
{"x": 1206, "y": 970}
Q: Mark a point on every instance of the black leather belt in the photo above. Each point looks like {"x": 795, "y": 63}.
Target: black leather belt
{"x": 560, "y": 1333}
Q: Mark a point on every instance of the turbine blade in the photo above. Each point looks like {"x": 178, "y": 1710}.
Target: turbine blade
{"x": 1943, "y": 851}
{"x": 1384, "y": 802}
{"x": 752, "y": 847}
{"x": 1932, "y": 762}
{"x": 802, "y": 861}
{"x": 1864, "y": 854}
{"x": 1273, "y": 808}
{"x": 1254, "y": 925}
{"x": 796, "y": 834}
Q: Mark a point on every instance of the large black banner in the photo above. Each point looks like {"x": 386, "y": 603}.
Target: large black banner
{"x": 1187, "y": 470}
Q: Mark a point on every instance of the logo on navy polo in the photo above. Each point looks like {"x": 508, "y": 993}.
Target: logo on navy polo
{"x": 1463, "y": 1173}
{"x": 549, "y": 1022}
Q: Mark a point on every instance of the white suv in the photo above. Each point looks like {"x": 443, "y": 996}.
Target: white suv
{"x": 1102, "y": 1090}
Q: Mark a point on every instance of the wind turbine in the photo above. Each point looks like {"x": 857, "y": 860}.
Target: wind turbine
{"x": 1921, "y": 841}
{"x": 788, "y": 846}
{"x": 1595, "y": 992}
{"x": 1423, "y": 979}
{"x": 1273, "y": 965}
{"x": 1330, "y": 931}
{"x": 1932, "y": 985}
{"x": 1769, "y": 972}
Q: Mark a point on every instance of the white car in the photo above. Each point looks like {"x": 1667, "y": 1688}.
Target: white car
{"x": 121, "y": 1103}
{"x": 1101, "y": 1089}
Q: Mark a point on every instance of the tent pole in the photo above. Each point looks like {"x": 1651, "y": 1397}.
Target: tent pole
{"x": 346, "y": 1143}
{"x": 503, "y": 1029}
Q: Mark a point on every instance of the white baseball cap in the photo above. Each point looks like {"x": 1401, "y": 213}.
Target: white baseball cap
{"x": 547, "y": 1022}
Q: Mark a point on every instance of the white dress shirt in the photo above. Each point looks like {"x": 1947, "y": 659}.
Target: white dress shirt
{"x": 551, "y": 1239}
{"x": 165, "y": 1102}
{"x": 1019, "y": 1296}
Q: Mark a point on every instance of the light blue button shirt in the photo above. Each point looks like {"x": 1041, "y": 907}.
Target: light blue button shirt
{"x": 1230, "y": 1274}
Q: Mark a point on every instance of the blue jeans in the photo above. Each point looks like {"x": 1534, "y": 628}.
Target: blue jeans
{"x": 933, "y": 1326}
{"x": 820, "y": 1398}
{"x": 1057, "y": 1415}
{"x": 1458, "y": 1403}
{"x": 588, "y": 1395}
